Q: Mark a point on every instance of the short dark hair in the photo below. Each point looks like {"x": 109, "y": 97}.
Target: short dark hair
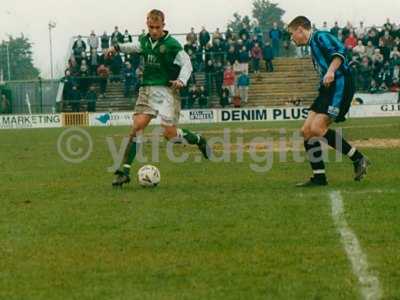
{"x": 156, "y": 14}
{"x": 300, "y": 21}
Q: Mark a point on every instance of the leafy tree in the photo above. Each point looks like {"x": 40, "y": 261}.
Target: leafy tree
{"x": 266, "y": 13}
{"x": 19, "y": 53}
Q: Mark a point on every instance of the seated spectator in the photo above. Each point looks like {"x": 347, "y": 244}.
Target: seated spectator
{"x": 93, "y": 41}
{"x": 103, "y": 72}
{"x": 256, "y": 56}
{"x": 230, "y": 81}
{"x": 268, "y": 55}
{"x": 91, "y": 99}
{"x": 130, "y": 80}
{"x": 243, "y": 86}
{"x": 105, "y": 41}
{"x": 127, "y": 38}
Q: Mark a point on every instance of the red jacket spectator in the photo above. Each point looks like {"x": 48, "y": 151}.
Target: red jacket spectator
{"x": 229, "y": 77}
{"x": 351, "y": 42}
{"x": 257, "y": 52}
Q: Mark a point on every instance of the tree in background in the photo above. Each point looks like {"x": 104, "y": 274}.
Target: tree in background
{"x": 266, "y": 13}
{"x": 20, "y": 55}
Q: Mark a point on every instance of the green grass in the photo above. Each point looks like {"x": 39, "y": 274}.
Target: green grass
{"x": 209, "y": 231}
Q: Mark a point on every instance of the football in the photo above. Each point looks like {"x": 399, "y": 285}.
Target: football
{"x": 149, "y": 176}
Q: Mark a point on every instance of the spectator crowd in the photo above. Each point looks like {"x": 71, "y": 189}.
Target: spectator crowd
{"x": 226, "y": 59}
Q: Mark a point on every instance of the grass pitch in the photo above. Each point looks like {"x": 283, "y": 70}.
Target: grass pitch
{"x": 209, "y": 231}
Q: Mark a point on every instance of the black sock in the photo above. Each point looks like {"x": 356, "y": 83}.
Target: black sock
{"x": 314, "y": 151}
{"x": 336, "y": 141}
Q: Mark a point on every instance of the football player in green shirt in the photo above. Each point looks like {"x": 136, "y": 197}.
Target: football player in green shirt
{"x": 167, "y": 69}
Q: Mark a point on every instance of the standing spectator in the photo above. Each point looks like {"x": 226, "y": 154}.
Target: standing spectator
{"x": 204, "y": 37}
{"x": 130, "y": 80}
{"x": 116, "y": 37}
{"x": 351, "y": 41}
{"x": 84, "y": 80}
{"x": 229, "y": 35}
{"x": 191, "y": 37}
{"x": 209, "y": 73}
{"x": 360, "y": 49}
{"x": 388, "y": 40}
{"x": 4, "y": 105}
{"x": 127, "y": 37}
{"x": 219, "y": 77}
{"x": 275, "y": 35}
{"x": 75, "y": 99}
{"x": 365, "y": 74}
{"x": 268, "y": 55}
{"x": 93, "y": 41}
{"x": 370, "y": 49}
{"x": 225, "y": 98}
{"x": 244, "y": 59}
{"x": 243, "y": 85}
{"x": 335, "y": 29}
{"x": 78, "y": 48}
{"x": 103, "y": 73}
{"x": 256, "y": 56}
{"x": 388, "y": 25}
{"x": 94, "y": 61}
{"x": 361, "y": 30}
{"x": 69, "y": 82}
{"x": 116, "y": 68}
{"x": 286, "y": 41}
{"x": 229, "y": 81}
{"x": 231, "y": 56}
{"x": 217, "y": 35}
{"x": 346, "y": 31}
{"x": 385, "y": 50}
{"x": 105, "y": 41}
{"x": 192, "y": 97}
{"x": 325, "y": 27}
{"x": 202, "y": 96}
{"x": 91, "y": 99}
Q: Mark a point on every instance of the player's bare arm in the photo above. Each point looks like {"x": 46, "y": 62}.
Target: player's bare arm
{"x": 330, "y": 74}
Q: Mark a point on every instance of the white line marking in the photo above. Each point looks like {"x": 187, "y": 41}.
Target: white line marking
{"x": 370, "y": 287}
